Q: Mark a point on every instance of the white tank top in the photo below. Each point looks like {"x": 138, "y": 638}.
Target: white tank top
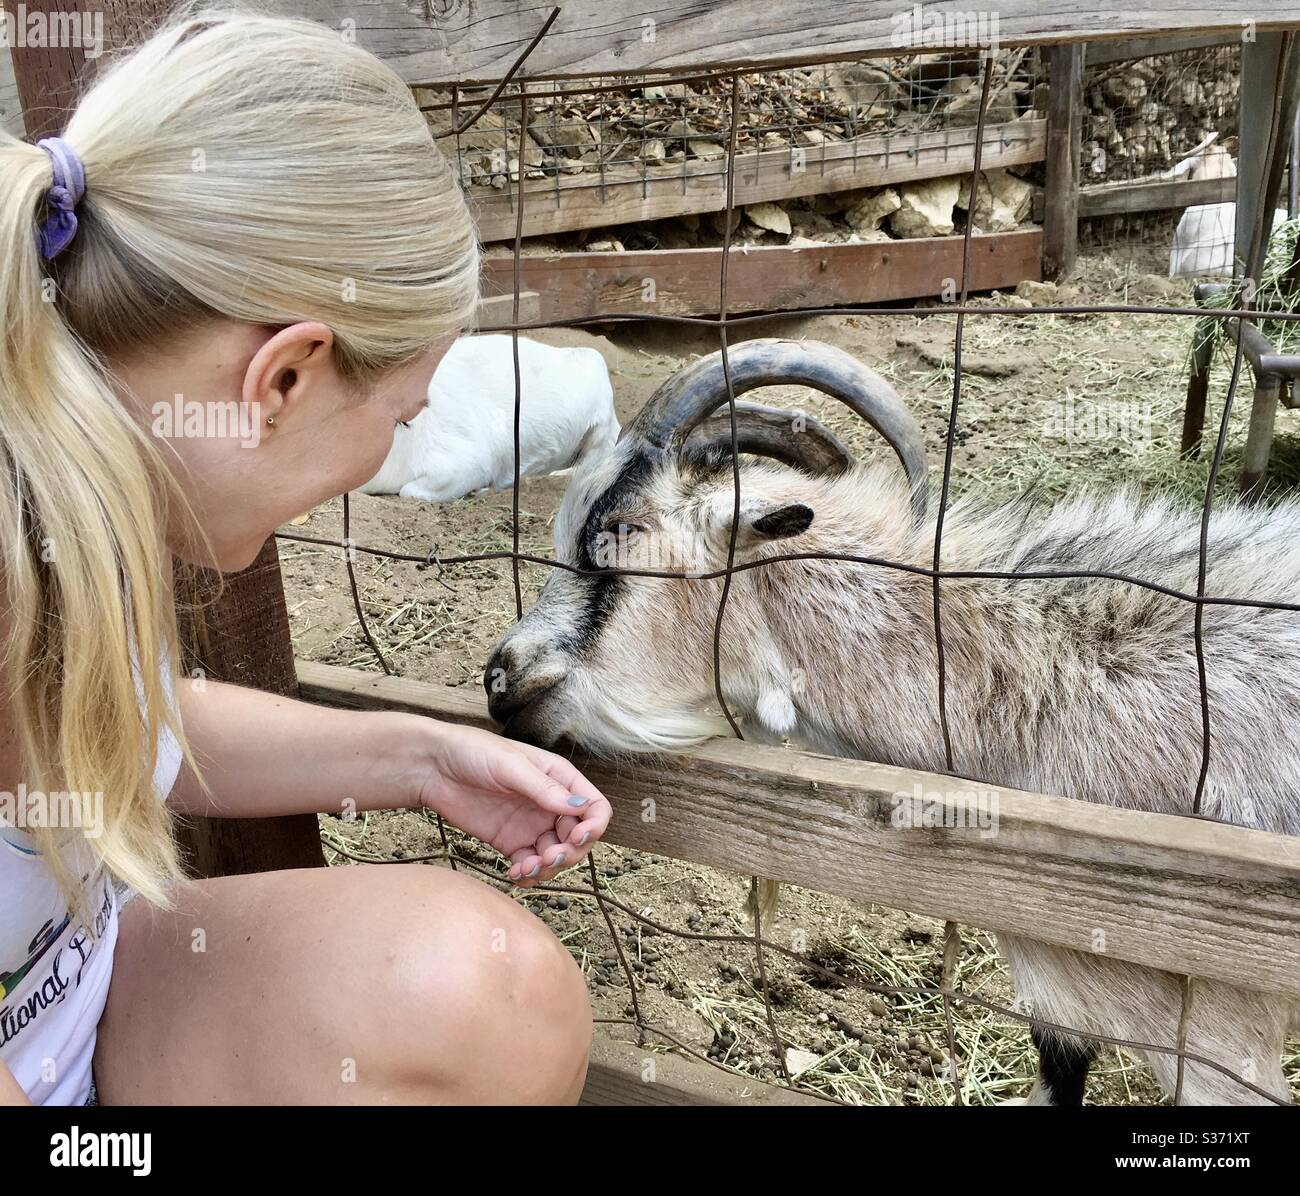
{"x": 54, "y": 973}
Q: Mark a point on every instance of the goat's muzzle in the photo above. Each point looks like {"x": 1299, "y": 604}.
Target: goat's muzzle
{"x": 514, "y": 692}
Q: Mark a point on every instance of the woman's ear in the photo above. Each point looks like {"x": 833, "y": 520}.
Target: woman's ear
{"x": 295, "y": 363}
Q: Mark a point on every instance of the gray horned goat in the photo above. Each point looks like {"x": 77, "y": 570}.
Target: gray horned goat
{"x": 1081, "y": 686}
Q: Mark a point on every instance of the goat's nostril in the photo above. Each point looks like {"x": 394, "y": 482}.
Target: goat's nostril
{"x": 496, "y": 674}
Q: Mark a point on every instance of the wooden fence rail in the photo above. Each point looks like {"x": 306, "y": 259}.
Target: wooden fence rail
{"x": 624, "y": 195}
{"x": 1188, "y": 896}
{"x": 457, "y": 41}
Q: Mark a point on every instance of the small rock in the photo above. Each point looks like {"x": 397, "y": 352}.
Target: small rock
{"x": 926, "y": 208}
{"x": 769, "y": 216}
{"x": 867, "y": 214}
{"x": 1038, "y": 293}
{"x": 1003, "y": 202}
{"x": 706, "y": 149}
{"x": 797, "y": 1062}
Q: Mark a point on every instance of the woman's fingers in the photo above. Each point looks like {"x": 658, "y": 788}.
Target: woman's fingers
{"x": 562, "y": 771}
{"x": 557, "y": 787}
{"x": 525, "y": 865}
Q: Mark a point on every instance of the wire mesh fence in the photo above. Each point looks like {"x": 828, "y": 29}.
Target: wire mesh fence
{"x": 733, "y": 136}
{"x": 595, "y": 154}
{"x": 1169, "y": 118}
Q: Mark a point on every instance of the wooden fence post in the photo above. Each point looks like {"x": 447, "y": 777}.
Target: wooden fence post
{"x": 1064, "y": 134}
{"x": 1266, "y": 79}
{"x": 242, "y": 635}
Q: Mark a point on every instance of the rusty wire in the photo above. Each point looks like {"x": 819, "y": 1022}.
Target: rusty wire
{"x": 946, "y": 990}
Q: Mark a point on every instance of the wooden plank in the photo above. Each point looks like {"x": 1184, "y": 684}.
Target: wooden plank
{"x": 1270, "y": 76}
{"x": 1126, "y": 49}
{"x": 1121, "y": 199}
{"x": 765, "y": 278}
{"x": 11, "y": 108}
{"x": 1065, "y": 132}
{"x": 627, "y": 195}
{"x": 624, "y": 1074}
{"x": 447, "y": 42}
{"x": 235, "y": 627}
{"x": 496, "y": 310}
{"x": 1188, "y": 896}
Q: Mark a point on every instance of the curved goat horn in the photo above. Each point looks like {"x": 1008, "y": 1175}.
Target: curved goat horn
{"x": 686, "y": 399}
{"x": 791, "y": 437}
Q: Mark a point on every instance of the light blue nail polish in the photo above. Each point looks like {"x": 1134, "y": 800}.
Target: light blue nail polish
{"x": 559, "y": 859}
{"x": 575, "y": 800}
{"x": 535, "y": 871}
{"x": 585, "y": 836}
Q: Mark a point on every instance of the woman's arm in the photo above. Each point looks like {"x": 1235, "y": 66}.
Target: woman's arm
{"x": 263, "y": 755}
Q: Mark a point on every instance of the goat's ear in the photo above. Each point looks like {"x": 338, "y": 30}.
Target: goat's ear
{"x": 774, "y": 523}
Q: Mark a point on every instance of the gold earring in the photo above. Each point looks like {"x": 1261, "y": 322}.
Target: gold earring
{"x": 270, "y": 419}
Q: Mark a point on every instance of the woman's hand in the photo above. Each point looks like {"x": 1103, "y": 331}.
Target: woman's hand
{"x": 533, "y": 806}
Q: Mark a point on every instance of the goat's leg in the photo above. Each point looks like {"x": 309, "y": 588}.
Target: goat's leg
{"x": 1240, "y": 1030}
{"x": 1063, "y": 1063}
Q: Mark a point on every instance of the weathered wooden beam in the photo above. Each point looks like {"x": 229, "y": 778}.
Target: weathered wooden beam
{"x": 623, "y": 1074}
{"x": 448, "y": 42}
{"x": 684, "y": 282}
{"x": 11, "y": 107}
{"x": 1129, "y": 198}
{"x": 235, "y": 627}
{"x": 1064, "y": 134}
{"x": 624, "y": 195}
{"x": 1188, "y": 896}
{"x": 1125, "y": 49}
{"x": 1270, "y": 76}
{"x": 496, "y": 310}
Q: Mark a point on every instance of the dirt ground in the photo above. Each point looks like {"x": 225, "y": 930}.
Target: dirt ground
{"x": 1050, "y": 402}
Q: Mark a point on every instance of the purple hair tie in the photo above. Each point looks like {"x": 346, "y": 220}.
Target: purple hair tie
{"x": 60, "y": 223}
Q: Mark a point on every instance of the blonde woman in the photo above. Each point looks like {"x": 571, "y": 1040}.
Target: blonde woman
{"x": 244, "y": 215}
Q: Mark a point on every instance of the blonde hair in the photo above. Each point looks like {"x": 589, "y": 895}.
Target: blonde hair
{"x": 237, "y": 166}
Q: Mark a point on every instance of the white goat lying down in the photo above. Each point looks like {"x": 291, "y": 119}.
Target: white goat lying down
{"x": 464, "y": 439}
{"x": 1081, "y": 687}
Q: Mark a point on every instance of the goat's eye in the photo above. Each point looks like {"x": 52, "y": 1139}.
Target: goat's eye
{"x": 622, "y": 529}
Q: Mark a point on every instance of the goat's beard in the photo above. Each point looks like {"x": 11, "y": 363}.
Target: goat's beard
{"x": 606, "y": 727}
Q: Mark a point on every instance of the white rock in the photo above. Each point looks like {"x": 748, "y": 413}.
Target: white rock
{"x": 706, "y": 149}
{"x": 769, "y": 216}
{"x": 868, "y": 213}
{"x": 1004, "y": 201}
{"x": 926, "y": 208}
{"x": 797, "y": 1062}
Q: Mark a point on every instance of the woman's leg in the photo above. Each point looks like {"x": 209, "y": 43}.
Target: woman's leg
{"x": 356, "y": 985}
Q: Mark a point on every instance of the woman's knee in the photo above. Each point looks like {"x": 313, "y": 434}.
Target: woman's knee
{"x": 514, "y": 1005}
